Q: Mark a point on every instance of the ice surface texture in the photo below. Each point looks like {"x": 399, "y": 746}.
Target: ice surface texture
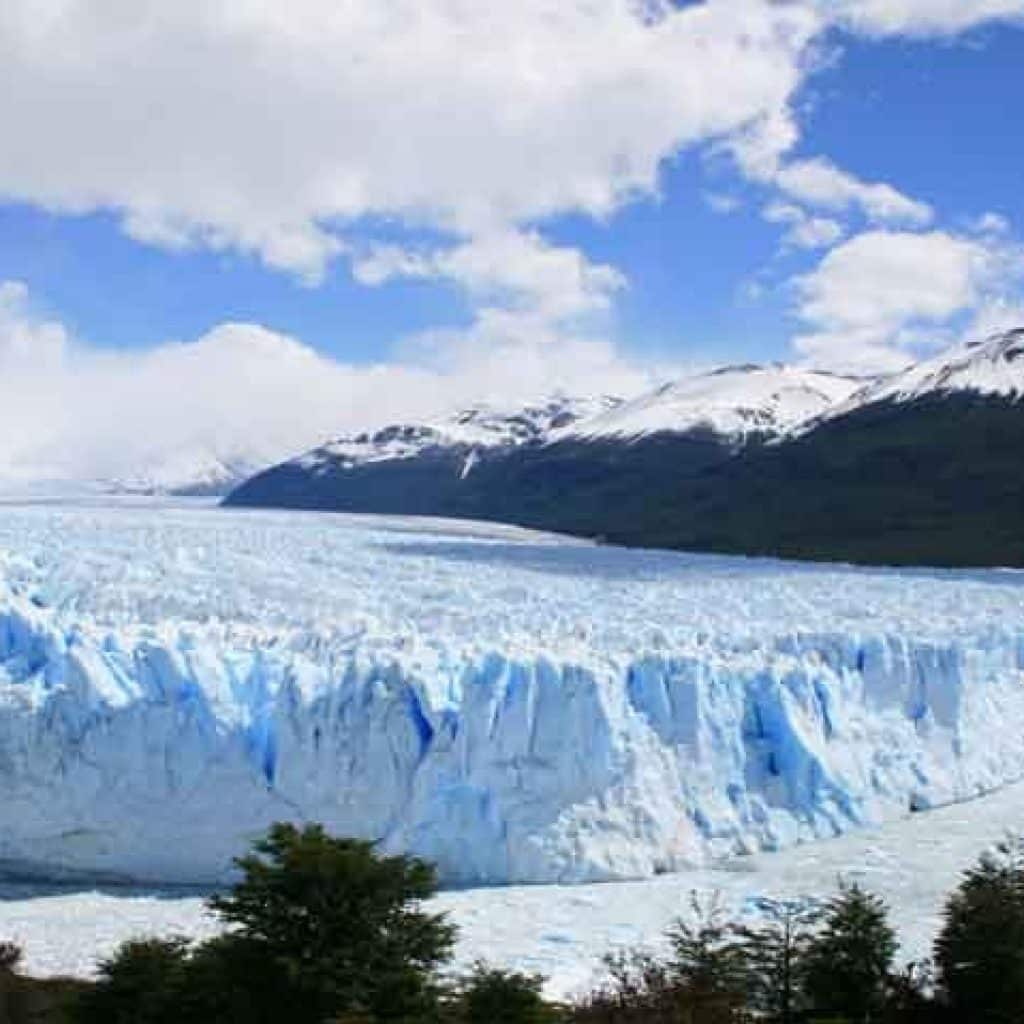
{"x": 513, "y": 706}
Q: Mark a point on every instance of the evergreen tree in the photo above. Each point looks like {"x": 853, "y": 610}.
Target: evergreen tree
{"x": 143, "y": 983}
{"x": 708, "y": 963}
{"x": 342, "y": 924}
{"x": 773, "y": 950}
{"x": 847, "y": 965}
{"x": 639, "y": 988}
{"x": 980, "y": 950}
{"x": 909, "y": 999}
{"x": 10, "y": 959}
{"x": 493, "y": 996}
{"x": 319, "y": 930}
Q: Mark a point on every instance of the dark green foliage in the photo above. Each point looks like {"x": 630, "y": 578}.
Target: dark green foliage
{"x": 639, "y": 988}
{"x": 320, "y": 929}
{"x": 774, "y": 952}
{"x": 979, "y": 953}
{"x": 909, "y": 1000}
{"x": 939, "y": 481}
{"x": 341, "y": 923}
{"x": 493, "y": 996}
{"x": 231, "y": 979}
{"x": 707, "y": 961}
{"x": 25, "y": 1000}
{"x": 847, "y": 965}
{"x": 704, "y": 980}
{"x": 10, "y": 957}
{"x": 144, "y": 983}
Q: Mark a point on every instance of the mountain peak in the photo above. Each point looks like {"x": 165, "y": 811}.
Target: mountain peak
{"x": 731, "y": 401}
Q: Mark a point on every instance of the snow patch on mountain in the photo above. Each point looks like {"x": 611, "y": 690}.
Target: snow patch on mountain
{"x": 196, "y": 471}
{"x": 994, "y": 367}
{"x": 172, "y": 680}
{"x": 735, "y": 402}
{"x": 476, "y": 427}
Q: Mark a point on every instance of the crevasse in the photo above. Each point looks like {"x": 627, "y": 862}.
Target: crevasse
{"x": 155, "y": 754}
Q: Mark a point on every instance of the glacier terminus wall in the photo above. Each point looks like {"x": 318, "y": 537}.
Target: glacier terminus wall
{"x": 513, "y": 706}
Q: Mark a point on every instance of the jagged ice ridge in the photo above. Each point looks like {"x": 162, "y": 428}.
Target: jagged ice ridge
{"x": 512, "y": 705}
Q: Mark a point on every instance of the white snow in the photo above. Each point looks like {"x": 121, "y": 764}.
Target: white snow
{"x": 477, "y": 427}
{"x": 734, "y": 402}
{"x": 193, "y": 469}
{"x": 991, "y": 367}
{"x": 514, "y": 706}
{"x": 563, "y": 931}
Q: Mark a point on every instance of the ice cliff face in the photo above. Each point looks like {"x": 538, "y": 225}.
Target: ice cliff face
{"x": 514, "y": 707}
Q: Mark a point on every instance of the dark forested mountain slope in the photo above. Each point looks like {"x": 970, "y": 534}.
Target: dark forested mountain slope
{"x": 926, "y": 468}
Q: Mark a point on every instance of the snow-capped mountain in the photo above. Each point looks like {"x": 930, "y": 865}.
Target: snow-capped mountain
{"x": 923, "y": 468}
{"x": 993, "y": 367}
{"x": 194, "y": 472}
{"x": 479, "y": 426}
{"x": 737, "y": 402}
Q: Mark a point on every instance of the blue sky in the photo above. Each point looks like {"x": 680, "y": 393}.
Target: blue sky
{"x": 559, "y": 187}
{"x": 935, "y": 117}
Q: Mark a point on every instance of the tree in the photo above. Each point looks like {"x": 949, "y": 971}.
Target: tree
{"x": 143, "y": 983}
{"x": 707, "y": 962}
{"x": 232, "y": 979}
{"x": 774, "y": 950}
{"x": 639, "y": 988}
{"x": 493, "y": 996}
{"x": 847, "y": 965}
{"x": 979, "y": 953}
{"x": 10, "y": 957}
{"x": 343, "y": 925}
{"x": 909, "y": 999}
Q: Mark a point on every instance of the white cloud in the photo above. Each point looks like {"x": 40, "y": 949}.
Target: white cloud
{"x": 27, "y": 341}
{"x": 919, "y": 17}
{"x": 517, "y": 271}
{"x": 882, "y": 295}
{"x": 805, "y": 231}
{"x": 820, "y": 183}
{"x": 721, "y": 202}
{"x": 991, "y": 224}
{"x": 266, "y": 127}
{"x": 246, "y": 394}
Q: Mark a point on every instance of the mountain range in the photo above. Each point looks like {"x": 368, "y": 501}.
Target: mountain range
{"x": 924, "y": 467}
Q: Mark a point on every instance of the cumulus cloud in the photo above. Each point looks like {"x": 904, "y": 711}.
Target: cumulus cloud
{"x": 242, "y": 394}
{"x": 880, "y": 296}
{"x": 804, "y": 231}
{"x": 760, "y": 154}
{"x": 820, "y": 183}
{"x": 267, "y": 128}
{"x": 517, "y": 271}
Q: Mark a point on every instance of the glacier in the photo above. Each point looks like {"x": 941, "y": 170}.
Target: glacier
{"x": 514, "y": 706}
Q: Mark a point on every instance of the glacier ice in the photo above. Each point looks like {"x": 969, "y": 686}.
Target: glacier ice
{"x": 515, "y": 706}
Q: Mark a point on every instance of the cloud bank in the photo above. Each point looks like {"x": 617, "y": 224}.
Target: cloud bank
{"x": 878, "y": 299}
{"x": 242, "y": 394}
{"x": 268, "y": 128}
